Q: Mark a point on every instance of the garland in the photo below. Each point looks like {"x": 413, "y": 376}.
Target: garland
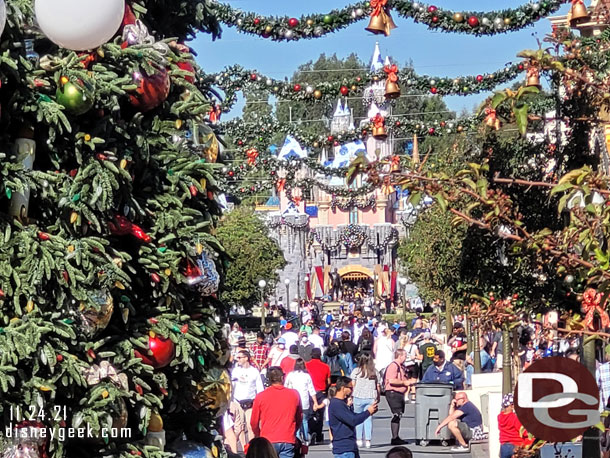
{"x": 317, "y": 25}
{"x": 353, "y": 236}
{"x": 235, "y": 78}
{"x": 274, "y": 224}
{"x": 353, "y": 202}
{"x": 389, "y": 239}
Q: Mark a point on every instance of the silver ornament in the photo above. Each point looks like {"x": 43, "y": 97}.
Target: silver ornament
{"x": 239, "y": 22}
{"x": 359, "y": 12}
{"x": 269, "y": 82}
{"x": 415, "y": 5}
{"x": 288, "y": 34}
{"x": 536, "y": 6}
{"x": 353, "y": 14}
{"x": 309, "y": 89}
{"x": 318, "y": 31}
{"x": 485, "y": 21}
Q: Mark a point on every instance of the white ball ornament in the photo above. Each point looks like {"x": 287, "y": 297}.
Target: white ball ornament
{"x": 79, "y": 25}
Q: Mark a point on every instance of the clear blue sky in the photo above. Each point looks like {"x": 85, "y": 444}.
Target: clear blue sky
{"x": 432, "y": 53}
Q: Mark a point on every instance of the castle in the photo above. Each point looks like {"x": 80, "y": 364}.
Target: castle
{"x": 321, "y": 231}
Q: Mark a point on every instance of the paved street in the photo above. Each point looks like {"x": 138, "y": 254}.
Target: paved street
{"x": 381, "y": 438}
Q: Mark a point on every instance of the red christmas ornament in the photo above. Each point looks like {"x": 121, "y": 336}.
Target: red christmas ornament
{"x": 473, "y": 21}
{"x": 184, "y": 329}
{"x": 122, "y": 226}
{"x": 297, "y": 87}
{"x": 432, "y": 9}
{"x": 479, "y": 78}
{"x": 155, "y": 277}
{"x": 442, "y": 123}
{"x": 431, "y": 131}
{"x": 330, "y": 138}
{"x": 433, "y": 90}
{"x": 193, "y": 190}
{"x": 336, "y": 144}
{"x": 520, "y": 67}
{"x": 163, "y": 352}
{"x": 293, "y": 22}
{"x": 59, "y": 358}
{"x": 152, "y": 89}
{"x": 257, "y": 21}
{"x": 435, "y": 19}
{"x": 43, "y": 236}
{"x": 344, "y": 90}
{"x": 231, "y": 173}
{"x": 129, "y": 18}
{"x": 253, "y": 77}
{"x": 397, "y": 123}
{"x": 187, "y": 67}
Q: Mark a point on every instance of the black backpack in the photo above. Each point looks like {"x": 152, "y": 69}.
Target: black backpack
{"x": 382, "y": 373}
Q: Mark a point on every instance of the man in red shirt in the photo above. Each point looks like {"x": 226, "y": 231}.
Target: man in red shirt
{"x": 320, "y": 376}
{"x": 277, "y": 414}
{"x": 287, "y": 364}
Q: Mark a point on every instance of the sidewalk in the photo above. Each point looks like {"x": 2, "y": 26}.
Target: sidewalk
{"x": 381, "y": 438}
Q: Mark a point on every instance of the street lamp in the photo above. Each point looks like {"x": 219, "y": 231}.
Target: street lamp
{"x": 287, "y": 283}
{"x": 403, "y": 285}
{"x": 261, "y": 285}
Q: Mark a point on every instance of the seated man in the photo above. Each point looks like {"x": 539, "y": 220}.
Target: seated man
{"x": 464, "y": 421}
{"x": 443, "y": 372}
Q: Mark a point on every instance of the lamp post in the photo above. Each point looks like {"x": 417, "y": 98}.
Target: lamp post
{"x": 403, "y": 286}
{"x": 261, "y": 285}
{"x": 287, "y": 283}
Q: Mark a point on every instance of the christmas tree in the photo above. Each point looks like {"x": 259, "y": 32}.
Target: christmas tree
{"x": 109, "y": 321}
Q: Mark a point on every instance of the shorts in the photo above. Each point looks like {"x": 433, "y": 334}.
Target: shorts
{"x": 470, "y": 434}
{"x": 396, "y": 401}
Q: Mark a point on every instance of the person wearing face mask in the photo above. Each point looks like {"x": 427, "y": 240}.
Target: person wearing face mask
{"x": 443, "y": 372}
{"x": 305, "y": 347}
{"x": 277, "y": 353}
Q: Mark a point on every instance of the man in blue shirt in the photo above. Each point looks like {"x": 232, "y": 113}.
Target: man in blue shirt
{"x": 464, "y": 421}
{"x": 443, "y": 372}
{"x": 342, "y": 420}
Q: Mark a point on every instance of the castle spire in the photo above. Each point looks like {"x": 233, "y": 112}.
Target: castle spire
{"x": 376, "y": 60}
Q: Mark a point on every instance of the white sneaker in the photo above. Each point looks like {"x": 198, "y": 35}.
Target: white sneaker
{"x": 330, "y": 445}
{"x": 368, "y": 444}
{"x": 460, "y": 448}
{"x": 359, "y": 442}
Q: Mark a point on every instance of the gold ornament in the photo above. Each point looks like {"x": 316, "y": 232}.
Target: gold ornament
{"x": 458, "y": 17}
{"x": 95, "y": 319}
{"x": 309, "y": 22}
{"x": 578, "y": 13}
{"x": 506, "y": 21}
{"x": 317, "y": 94}
{"x": 214, "y": 391}
{"x": 268, "y": 29}
{"x": 155, "y": 424}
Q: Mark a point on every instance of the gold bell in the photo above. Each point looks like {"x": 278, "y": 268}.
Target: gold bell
{"x": 377, "y": 25}
{"x": 578, "y": 14}
{"x": 392, "y": 90}
{"x": 533, "y": 79}
{"x": 379, "y": 133}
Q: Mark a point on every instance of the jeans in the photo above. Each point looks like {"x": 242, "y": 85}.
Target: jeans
{"x": 284, "y": 449}
{"x": 506, "y": 450}
{"x": 347, "y": 455}
{"x": 360, "y": 405}
{"x": 469, "y": 371}
{"x": 307, "y": 414}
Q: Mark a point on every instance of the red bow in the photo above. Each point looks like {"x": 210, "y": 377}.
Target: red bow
{"x": 591, "y": 301}
{"x": 378, "y": 6}
{"x": 574, "y": 2}
{"x": 296, "y": 200}
{"x": 214, "y": 113}
{"x": 252, "y": 154}
{"x": 392, "y": 71}
{"x": 532, "y": 71}
{"x": 395, "y": 163}
{"x": 280, "y": 184}
{"x": 378, "y": 121}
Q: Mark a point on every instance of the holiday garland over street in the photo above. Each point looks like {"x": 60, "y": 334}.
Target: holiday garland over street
{"x": 316, "y": 25}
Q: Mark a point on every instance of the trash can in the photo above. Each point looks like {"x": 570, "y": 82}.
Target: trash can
{"x": 432, "y": 401}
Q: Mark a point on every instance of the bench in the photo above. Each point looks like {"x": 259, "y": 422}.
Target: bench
{"x": 479, "y": 448}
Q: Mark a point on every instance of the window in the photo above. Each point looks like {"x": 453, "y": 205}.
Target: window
{"x": 353, "y": 216}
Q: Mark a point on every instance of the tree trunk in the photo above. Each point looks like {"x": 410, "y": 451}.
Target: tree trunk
{"x": 507, "y": 382}
{"x": 448, "y": 317}
{"x": 476, "y": 346}
{"x": 590, "y": 440}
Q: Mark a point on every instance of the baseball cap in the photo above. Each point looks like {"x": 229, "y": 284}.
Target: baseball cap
{"x": 283, "y": 322}
{"x": 507, "y": 400}
{"x": 281, "y": 340}
{"x": 458, "y": 325}
{"x": 396, "y": 326}
{"x": 288, "y": 326}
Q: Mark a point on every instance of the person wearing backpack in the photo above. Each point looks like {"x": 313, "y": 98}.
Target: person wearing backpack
{"x": 332, "y": 357}
{"x": 396, "y": 385}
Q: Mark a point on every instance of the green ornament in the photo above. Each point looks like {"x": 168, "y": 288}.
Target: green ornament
{"x": 162, "y": 249}
{"x": 44, "y": 98}
{"x": 9, "y": 193}
{"x": 201, "y": 360}
{"x": 74, "y": 98}
{"x": 124, "y": 299}
{"x": 76, "y": 197}
{"x": 170, "y": 172}
{"x": 328, "y": 19}
{"x": 68, "y": 321}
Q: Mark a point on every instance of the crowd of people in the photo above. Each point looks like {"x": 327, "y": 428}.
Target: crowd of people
{"x": 333, "y": 369}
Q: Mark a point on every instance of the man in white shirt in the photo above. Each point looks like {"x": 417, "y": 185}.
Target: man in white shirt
{"x": 247, "y": 383}
{"x": 316, "y": 339}
{"x": 290, "y": 336}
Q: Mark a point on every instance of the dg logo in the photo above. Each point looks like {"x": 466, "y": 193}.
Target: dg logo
{"x": 557, "y": 399}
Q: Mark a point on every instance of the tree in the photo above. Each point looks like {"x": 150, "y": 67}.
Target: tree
{"x": 109, "y": 265}
{"x": 255, "y": 256}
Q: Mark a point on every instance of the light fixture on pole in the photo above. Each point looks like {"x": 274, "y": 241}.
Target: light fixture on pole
{"x": 262, "y": 284}
{"x": 402, "y": 281}
{"x": 287, "y": 283}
